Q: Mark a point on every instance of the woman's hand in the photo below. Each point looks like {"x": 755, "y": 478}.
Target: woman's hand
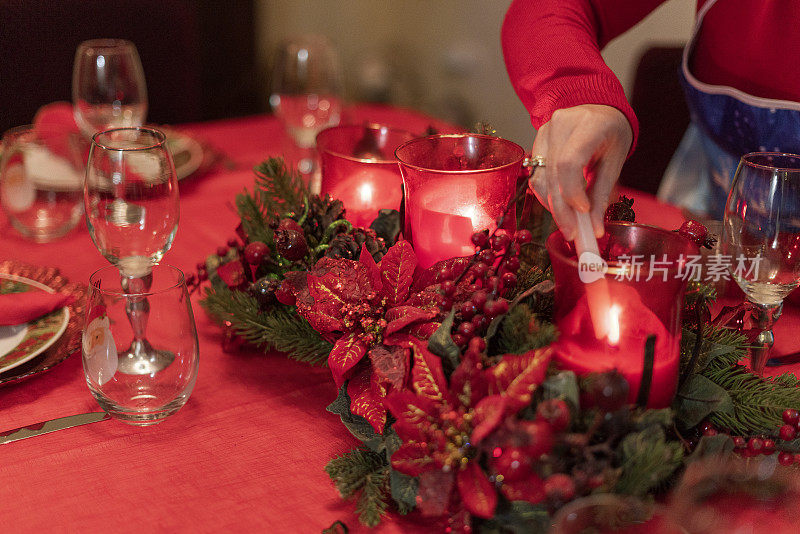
{"x": 584, "y": 143}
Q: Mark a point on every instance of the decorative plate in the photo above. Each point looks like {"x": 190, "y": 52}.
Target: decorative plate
{"x": 187, "y": 153}
{"x": 20, "y": 343}
{"x": 69, "y": 342}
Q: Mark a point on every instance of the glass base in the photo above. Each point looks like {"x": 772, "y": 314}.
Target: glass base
{"x": 139, "y": 418}
{"x": 142, "y": 359}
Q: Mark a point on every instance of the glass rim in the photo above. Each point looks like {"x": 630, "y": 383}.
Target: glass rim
{"x": 106, "y": 44}
{"x": 517, "y": 161}
{"x": 612, "y": 269}
{"x": 746, "y": 159}
{"x": 181, "y": 282}
{"x": 367, "y": 126}
{"x": 160, "y": 139}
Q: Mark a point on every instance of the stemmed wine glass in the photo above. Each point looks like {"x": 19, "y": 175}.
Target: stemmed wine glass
{"x": 108, "y": 86}
{"x": 305, "y": 92}
{"x": 132, "y": 211}
{"x": 761, "y": 238}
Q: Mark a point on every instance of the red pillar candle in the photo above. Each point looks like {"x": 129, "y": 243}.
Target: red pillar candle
{"x": 358, "y": 168}
{"x": 456, "y": 185}
{"x": 642, "y": 302}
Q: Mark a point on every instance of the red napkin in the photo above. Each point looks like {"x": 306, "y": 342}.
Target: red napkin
{"x": 18, "y": 308}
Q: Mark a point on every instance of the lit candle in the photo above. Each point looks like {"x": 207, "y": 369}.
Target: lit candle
{"x": 444, "y": 219}
{"x": 367, "y": 191}
{"x": 630, "y": 322}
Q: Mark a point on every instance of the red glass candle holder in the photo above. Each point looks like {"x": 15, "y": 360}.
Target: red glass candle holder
{"x": 455, "y": 185}
{"x": 646, "y": 283}
{"x": 358, "y": 168}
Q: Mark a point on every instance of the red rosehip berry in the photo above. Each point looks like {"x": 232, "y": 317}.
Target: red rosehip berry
{"x": 523, "y": 236}
{"x": 290, "y": 224}
{"x": 477, "y": 344}
{"x": 791, "y": 416}
{"x": 255, "y": 252}
{"x": 486, "y": 256}
{"x": 468, "y": 310}
{"x": 538, "y": 436}
{"x": 460, "y": 340}
{"x": 495, "y": 308}
{"x": 755, "y": 445}
{"x": 785, "y": 458}
{"x": 466, "y": 329}
{"x": 500, "y": 242}
{"x": 291, "y": 244}
{"x": 512, "y": 264}
{"x": 449, "y": 288}
{"x": 479, "y": 299}
{"x": 739, "y": 442}
{"x": 509, "y": 279}
{"x": 769, "y": 447}
{"x": 559, "y": 487}
{"x": 555, "y": 412}
{"x": 787, "y": 432}
{"x": 480, "y": 239}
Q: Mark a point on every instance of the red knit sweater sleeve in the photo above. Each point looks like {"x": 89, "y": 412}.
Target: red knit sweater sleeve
{"x": 552, "y": 53}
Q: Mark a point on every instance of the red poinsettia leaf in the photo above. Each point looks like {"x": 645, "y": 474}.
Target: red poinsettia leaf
{"x": 424, "y": 330}
{"x": 415, "y": 415}
{"x": 374, "y": 272}
{"x": 232, "y": 273}
{"x": 365, "y": 402}
{"x": 412, "y": 459}
{"x": 476, "y": 491}
{"x": 390, "y": 366}
{"x": 427, "y": 375}
{"x": 346, "y": 353}
{"x": 400, "y": 317}
{"x": 296, "y": 284}
{"x": 488, "y": 416}
{"x": 397, "y": 272}
{"x": 400, "y": 339}
{"x": 343, "y": 282}
{"x": 433, "y": 495}
{"x": 518, "y": 375}
{"x": 468, "y": 380}
{"x": 434, "y": 274}
{"x": 530, "y": 489}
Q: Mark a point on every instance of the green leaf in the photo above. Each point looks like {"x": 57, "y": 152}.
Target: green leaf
{"x": 564, "y": 386}
{"x": 357, "y": 425}
{"x": 442, "y": 345}
{"x": 648, "y": 418}
{"x": 698, "y": 398}
{"x": 647, "y": 461}
{"x": 404, "y": 490}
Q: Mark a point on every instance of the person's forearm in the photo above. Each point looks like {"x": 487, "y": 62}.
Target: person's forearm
{"x": 552, "y": 53}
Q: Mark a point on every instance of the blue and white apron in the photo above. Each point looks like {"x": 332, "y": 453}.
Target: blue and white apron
{"x": 726, "y": 124}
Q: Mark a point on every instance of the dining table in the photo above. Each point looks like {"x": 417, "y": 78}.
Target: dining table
{"x": 248, "y": 450}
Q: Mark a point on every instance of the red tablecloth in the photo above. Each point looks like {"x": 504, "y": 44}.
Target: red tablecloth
{"x": 248, "y": 450}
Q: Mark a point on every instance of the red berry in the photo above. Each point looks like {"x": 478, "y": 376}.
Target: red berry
{"x": 694, "y": 231}
{"x": 291, "y": 244}
{"x": 710, "y": 432}
{"x": 232, "y": 242}
{"x": 445, "y": 273}
{"x": 191, "y": 279}
{"x": 486, "y": 256}
{"x": 480, "y": 239}
{"x": 480, "y": 321}
{"x": 255, "y": 252}
{"x": 791, "y": 417}
{"x": 477, "y": 344}
{"x": 513, "y": 464}
{"x": 769, "y": 447}
{"x": 500, "y": 242}
{"x": 559, "y": 487}
{"x": 797, "y": 457}
{"x": 222, "y": 251}
{"x": 787, "y": 432}
{"x": 539, "y": 438}
{"x": 706, "y": 426}
{"x": 555, "y": 412}
{"x": 449, "y": 288}
{"x": 755, "y": 445}
{"x": 468, "y": 310}
{"x": 493, "y": 284}
{"x": 509, "y": 279}
{"x": 512, "y": 264}
{"x": 739, "y": 442}
{"x": 523, "y": 236}
{"x": 290, "y": 224}
{"x": 480, "y": 298}
{"x": 479, "y": 269}
{"x": 609, "y": 390}
{"x": 466, "y": 329}
{"x": 785, "y": 458}
{"x": 495, "y": 308}
{"x": 459, "y": 340}
{"x": 202, "y": 275}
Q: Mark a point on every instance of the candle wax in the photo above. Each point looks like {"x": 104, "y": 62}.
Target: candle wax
{"x": 580, "y": 351}
{"x": 366, "y": 192}
{"x": 444, "y": 220}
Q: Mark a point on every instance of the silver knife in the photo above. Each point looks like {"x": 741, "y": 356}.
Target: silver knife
{"x": 51, "y": 426}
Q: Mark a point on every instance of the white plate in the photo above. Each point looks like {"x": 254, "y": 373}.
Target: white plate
{"x": 21, "y": 343}
{"x": 186, "y": 151}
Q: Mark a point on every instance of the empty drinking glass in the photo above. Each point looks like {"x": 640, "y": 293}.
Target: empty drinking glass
{"x": 140, "y": 398}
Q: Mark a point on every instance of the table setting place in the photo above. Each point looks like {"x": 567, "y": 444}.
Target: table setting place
{"x": 395, "y": 334}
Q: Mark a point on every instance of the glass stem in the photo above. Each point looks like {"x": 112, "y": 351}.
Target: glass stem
{"x": 138, "y": 308}
{"x": 765, "y": 317}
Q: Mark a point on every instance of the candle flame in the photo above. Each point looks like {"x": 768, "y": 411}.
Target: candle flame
{"x": 365, "y": 192}
{"x": 613, "y": 324}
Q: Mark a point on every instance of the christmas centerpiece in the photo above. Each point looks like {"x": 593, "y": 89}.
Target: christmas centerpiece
{"x": 458, "y": 383}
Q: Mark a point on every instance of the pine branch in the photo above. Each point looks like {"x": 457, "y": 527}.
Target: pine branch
{"x": 364, "y": 471}
{"x": 254, "y": 218}
{"x": 278, "y": 330}
{"x": 647, "y": 460}
{"x": 278, "y": 189}
{"x": 521, "y": 331}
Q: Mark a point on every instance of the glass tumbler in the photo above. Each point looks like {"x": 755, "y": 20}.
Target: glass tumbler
{"x": 139, "y": 398}
{"x": 41, "y": 181}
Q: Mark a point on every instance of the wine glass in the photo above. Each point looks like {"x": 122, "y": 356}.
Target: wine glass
{"x": 108, "y": 86}
{"x": 305, "y": 92}
{"x": 132, "y": 211}
{"x": 761, "y": 238}
{"x": 137, "y": 398}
